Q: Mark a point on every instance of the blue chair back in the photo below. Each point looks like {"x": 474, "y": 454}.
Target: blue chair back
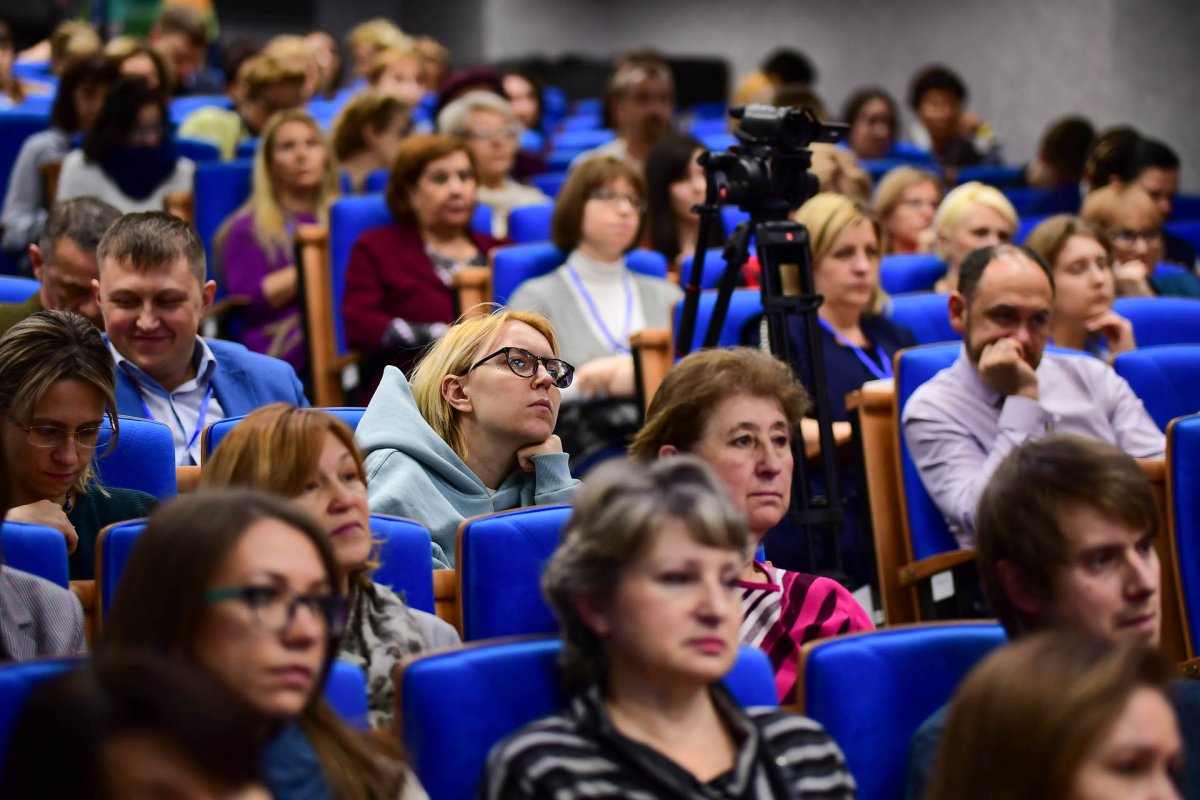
{"x": 198, "y": 150}
{"x": 219, "y": 188}
{"x": 707, "y": 126}
{"x": 36, "y": 549}
{"x": 346, "y": 692}
{"x": 17, "y": 125}
{"x": 993, "y": 174}
{"x": 500, "y": 561}
{"x": 14, "y": 289}
{"x": 549, "y": 182}
{"x": 481, "y": 219}
{"x": 1026, "y": 224}
{"x": 872, "y": 691}
{"x": 17, "y": 682}
{"x": 929, "y": 532}
{"x": 910, "y": 272}
{"x": 926, "y": 315}
{"x": 1188, "y": 229}
{"x": 580, "y": 140}
{"x": 246, "y": 148}
{"x": 1039, "y": 202}
{"x": 1166, "y": 378}
{"x": 455, "y": 706}
{"x": 511, "y": 266}
{"x": 405, "y": 554}
{"x": 745, "y": 305}
{"x": 113, "y": 549}
{"x": 581, "y": 122}
{"x": 1186, "y": 206}
{"x": 1183, "y": 476}
{"x": 377, "y": 181}
{"x": 143, "y": 459}
{"x": 714, "y": 268}
{"x": 349, "y": 217}
{"x": 718, "y": 141}
{"x": 530, "y": 223}
{"x": 180, "y": 107}
{"x": 1161, "y": 320}
{"x": 215, "y": 432}
{"x": 731, "y": 217}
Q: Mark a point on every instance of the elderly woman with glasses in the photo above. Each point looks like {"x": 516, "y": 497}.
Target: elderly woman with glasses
{"x": 57, "y": 384}
{"x": 473, "y": 431}
{"x": 595, "y": 302}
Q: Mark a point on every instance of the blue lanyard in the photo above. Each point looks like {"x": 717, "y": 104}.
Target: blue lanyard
{"x": 208, "y": 393}
{"x": 881, "y": 370}
{"x": 613, "y": 342}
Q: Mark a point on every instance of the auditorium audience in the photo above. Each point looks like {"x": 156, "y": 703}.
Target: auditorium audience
{"x": 1066, "y": 541}
{"x": 473, "y": 431}
{"x": 56, "y": 391}
{"x": 367, "y": 135}
{"x": 1062, "y": 154}
{"x": 180, "y": 37}
{"x": 294, "y": 182}
{"x": 970, "y": 216}
{"x": 1062, "y": 715}
{"x": 329, "y": 62}
{"x": 954, "y": 136}
{"x": 489, "y": 126}
{"x": 368, "y": 39}
{"x": 153, "y": 294}
{"x": 293, "y": 52}
{"x": 133, "y": 726}
{"x": 72, "y": 40}
{"x": 906, "y": 202}
{"x": 135, "y": 60}
{"x": 262, "y": 87}
{"x": 524, "y": 92}
{"x": 739, "y": 410}
{"x": 128, "y": 158}
{"x": 645, "y": 589}
{"x": 595, "y": 302}
{"x": 639, "y": 103}
{"x": 1127, "y": 214}
{"x": 244, "y": 585}
{"x": 65, "y": 262}
{"x": 874, "y": 123}
{"x": 675, "y": 183}
{"x": 398, "y": 73}
{"x": 1004, "y": 390}
{"x": 12, "y": 92}
{"x": 399, "y": 280}
{"x": 81, "y": 93}
{"x": 1084, "y": 287}
{"x": 311, "y": 457}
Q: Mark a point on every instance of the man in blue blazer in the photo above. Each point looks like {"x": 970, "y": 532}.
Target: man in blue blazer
{"x": 153, "y": 294}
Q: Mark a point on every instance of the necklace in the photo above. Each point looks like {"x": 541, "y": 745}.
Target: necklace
{"x": 68, "y": 505}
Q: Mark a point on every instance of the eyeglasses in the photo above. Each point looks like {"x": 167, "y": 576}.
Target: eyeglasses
{"x": 524, "y": 364}
{"x": 505, "y": 132}
{"x": 1127, "y": 236}
{"x": 88, "y": 438}
{"x": 273, "y": 608}
{"x": 612, "y": 197}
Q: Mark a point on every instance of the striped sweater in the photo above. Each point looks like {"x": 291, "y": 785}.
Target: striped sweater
{"x": 787, "y": 609}
{"x": 578, "y": 753}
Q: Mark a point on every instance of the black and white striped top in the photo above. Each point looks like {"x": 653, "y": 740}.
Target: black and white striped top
{"x": 577, "y": 753}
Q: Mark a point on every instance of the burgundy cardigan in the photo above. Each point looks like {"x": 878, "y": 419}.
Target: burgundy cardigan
{"x": 389, "y": 275}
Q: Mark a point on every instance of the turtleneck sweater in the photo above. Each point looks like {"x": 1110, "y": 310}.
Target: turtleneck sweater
{"x": 615, "y": 308}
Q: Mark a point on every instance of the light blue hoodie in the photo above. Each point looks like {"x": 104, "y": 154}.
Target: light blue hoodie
{"x": 413, "y": 473}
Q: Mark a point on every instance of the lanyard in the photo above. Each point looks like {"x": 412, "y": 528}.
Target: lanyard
{"x": 881, "y": 370}
{"x": 627, "y": 284}
{"x": 208, "y": 393}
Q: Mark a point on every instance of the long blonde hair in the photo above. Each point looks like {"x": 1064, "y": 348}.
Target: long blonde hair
{"x": 826, "y": 215}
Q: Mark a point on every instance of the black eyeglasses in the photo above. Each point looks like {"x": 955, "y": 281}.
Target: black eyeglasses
{"x": 274, "y": 607}
{"x": 524, "y": 364}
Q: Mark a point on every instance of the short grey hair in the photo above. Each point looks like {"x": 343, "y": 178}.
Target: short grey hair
{"x": 453, "y": 119}
{"x": 83, "y": 220}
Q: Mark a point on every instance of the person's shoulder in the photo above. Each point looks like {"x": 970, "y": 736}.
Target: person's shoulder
{"x": 883, "y": 331}
{"x": 74, "y": 160}
{"x": 788, "y": 732}
{"x": 235, "y": 352}
{"x": 132, "y": 501}
{"x": 554, "y": 732}
{"x": 35, "y": 588}
{"x": 387, "y": 236}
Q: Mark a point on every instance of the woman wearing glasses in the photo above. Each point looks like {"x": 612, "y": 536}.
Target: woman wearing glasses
{"x": 595, "y": 302}
{"x": 244, "y": 585}
{"x": 57, "y": 384}
{"x": 310, "y": 456}
{"x": 473, "y": 431}
{"x": 399, "y": 294}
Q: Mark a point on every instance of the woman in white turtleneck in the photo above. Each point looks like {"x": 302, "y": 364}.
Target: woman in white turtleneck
{"x": 594, "y": 301}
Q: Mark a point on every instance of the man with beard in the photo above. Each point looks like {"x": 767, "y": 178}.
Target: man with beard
{"x": 639, "y": 105}
{"x": 1004, "y": 390}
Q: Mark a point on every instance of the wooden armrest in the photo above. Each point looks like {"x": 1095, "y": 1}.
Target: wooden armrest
{"x": 180, "y": 204}
{"x": 445, "y": 596}
{"x": 86, "y": 592}
{"x": 351, "y": 357}
{"x": 187, "y": 479}
{"x": 228, "y": 304}
{"x": 474, "y": 288}
{"x": 928, "y": 567}
{"x": 652, "y": 359}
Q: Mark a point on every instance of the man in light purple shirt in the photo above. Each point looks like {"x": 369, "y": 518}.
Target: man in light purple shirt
{"x": 1004, "y": 390}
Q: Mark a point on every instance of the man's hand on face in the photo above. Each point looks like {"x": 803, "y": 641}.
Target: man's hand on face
{"x": 1003, "y": 368}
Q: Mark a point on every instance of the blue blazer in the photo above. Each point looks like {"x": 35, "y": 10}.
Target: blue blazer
{"x": 242, "y": 382}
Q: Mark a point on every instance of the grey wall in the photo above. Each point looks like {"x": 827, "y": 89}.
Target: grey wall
{"x": 1026, "y": 61}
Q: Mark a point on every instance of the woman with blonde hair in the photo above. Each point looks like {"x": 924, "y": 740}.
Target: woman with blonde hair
{"x": 1062, "y": 714}
{"x": 906, "y": 201}
{"x": 367, "y": 135}
{"x": 970, "y": 216}
{"x": 310, "y": 457}
{"x": 473, "y": 431}
{"x": 294, "y": 182}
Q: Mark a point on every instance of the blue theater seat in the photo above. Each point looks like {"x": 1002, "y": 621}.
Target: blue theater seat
{"x": 549, "y": 182}
{"x": 456, "y": 705}
{"x": 1183, "y": 503}
{"x": 714, "y": 268}
{"x": 511, "y": 266}
{"x": 900, "y": 273}
{"x": 349, "y": 217}
{"x": 872, "y": 691}
{"x": 14, "y": 289}
{"x": 1166, "y": 378}
{"x": 17, "y": 682}
{"x": 1188, "y": 229}
{"x": 530, "y": 223}
{"x": 198, "y": 150}
{"x": 219, "y": 188}
{"x": 36, "y": 549}
{"x": 925, "y": 314}
{"x": 143, "y": 459}
{"x": 215, "y": 432}
{"x": 992, "y": 174}
{"x": 1161, "y": 320}
{"x": 745, "y": 306}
